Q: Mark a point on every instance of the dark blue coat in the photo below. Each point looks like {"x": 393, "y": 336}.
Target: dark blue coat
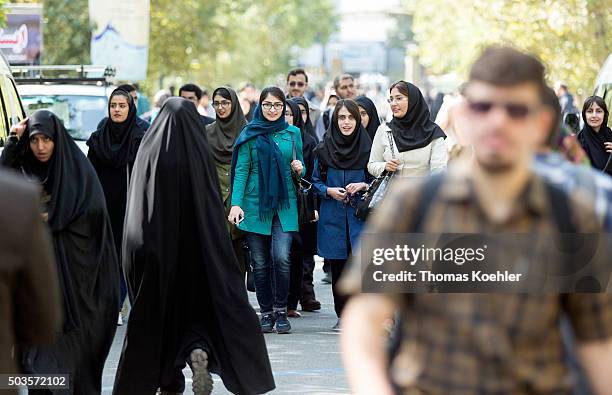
{"x": 337, "y": 219}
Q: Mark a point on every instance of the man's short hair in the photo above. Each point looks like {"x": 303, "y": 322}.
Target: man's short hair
{"x": 341, "y": 77}
{"x": 506, "y": 66}
{"x": 129, "y": 88}
{"x": 191, "y": 88}
{"x": 298, "y": 71}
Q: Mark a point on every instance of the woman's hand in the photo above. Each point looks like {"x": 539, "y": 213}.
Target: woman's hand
{"x": 608, "y": 146}
{"x": 392, "y": 164}
{"x": 356, "y": 187}
{"x": 236, "y": 215}
{"x": 19, "y": 128}
{"x": 297, "y": 167}
{"x": 316, "y": 216}
{"x": 338, "y": 194}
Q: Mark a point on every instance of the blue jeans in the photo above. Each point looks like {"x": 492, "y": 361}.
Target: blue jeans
{"x": 270, "y": 259}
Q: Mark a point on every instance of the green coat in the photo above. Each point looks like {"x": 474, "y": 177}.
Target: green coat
{"x": 246, "y": 184}
{"x": 223, "y": 171}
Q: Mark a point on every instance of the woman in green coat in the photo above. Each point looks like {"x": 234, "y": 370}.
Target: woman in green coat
{"x": 264, "y": 202}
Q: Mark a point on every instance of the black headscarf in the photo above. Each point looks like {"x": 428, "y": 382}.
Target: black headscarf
{"x": 593, "y": 142}
{"x": 84, "y": 253}
{"x": 116, "y": 144}
{"x": 370, "y": 108}
{"x": 415, "y": 129}
{"x": 182, "y": 275}
{"x": 309, "y": 143}
{"x": 344, "y": 152}
{"x": 308, "y": 128}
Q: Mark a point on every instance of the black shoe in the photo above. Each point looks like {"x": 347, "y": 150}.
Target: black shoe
{"x": 282, "y": 323}
{"x": 337, "y": 327}
{"x": 327, "y": 279}
{"x": 202, "y": 380}
{"x": 311, "y": 305}
{"x": 267, "y": 323}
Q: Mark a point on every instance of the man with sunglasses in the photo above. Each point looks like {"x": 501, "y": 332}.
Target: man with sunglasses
{"x": 477, "y": 343}
{"x": 297, "y": 85}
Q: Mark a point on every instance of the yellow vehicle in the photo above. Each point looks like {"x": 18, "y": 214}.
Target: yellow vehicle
{"x": 11, "y": 109}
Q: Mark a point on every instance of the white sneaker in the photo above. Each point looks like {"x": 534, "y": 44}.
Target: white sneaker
{"x": 120, "y": 320}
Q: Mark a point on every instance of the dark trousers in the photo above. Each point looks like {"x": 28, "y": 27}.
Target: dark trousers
{"x": 337, "y": 267}
{"x": 308, "y": 293}
{"x": 237, "y": 244}
{"x": 271, "y": 267}
{"x": 296, "y": 272}
{"x": 326, "y": 268}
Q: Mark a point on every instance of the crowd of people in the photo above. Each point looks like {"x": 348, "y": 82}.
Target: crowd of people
{"x": 174, "y": 210}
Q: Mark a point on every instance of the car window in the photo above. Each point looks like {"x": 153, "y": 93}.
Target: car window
{"x": 14, "y": 111}
{"x": 80, "y": 114}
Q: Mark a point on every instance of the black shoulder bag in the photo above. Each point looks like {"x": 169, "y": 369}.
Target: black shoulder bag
{"x": 305, "y": 194}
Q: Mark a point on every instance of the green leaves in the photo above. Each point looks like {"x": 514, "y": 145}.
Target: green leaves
{"x": 210, "y": 42}
{"x": 572, "y": 37}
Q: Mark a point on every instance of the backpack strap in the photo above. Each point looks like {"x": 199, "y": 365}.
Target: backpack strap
{"x": 426, "y": 198}
{"x": 561, "y": 208}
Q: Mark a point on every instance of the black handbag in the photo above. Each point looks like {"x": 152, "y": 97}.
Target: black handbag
{"x": 305, "y": 194}
{"x": 376, "y": 191}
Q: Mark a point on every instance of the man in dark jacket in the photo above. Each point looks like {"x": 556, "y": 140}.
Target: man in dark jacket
{"x": 193, "y": 93}
{"x": 29, "y": 292}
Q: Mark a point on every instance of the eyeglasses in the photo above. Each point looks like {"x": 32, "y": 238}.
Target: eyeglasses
{"x": 514, "y": 110}
{"x": 224, "y": 104}
{"x": 299, "y": 84}
{"x": 396, "y": 99}
{"x": 268, "y": 106}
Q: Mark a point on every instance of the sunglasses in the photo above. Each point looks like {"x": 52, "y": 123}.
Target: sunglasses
{"x": 514, "y": 110}
{"x": 300, "y": 84}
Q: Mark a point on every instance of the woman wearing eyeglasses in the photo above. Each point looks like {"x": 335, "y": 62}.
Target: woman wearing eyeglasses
{"x": 340, "y": 177}
{"x": 222, "y": 135}
{"x": 264, "y": 203}
{"x": 410, "y": 144}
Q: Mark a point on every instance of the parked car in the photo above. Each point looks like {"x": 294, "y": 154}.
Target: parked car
{"x": 80, "y": 107}
{"x": 80, "y": 102}
{"x": 11, "y": 109}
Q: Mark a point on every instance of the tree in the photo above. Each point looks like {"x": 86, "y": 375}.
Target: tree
{"x": 572, "y": 37}
{"x": 2, "y": 13}
{"x": 212, "y": 41}
{"x": 67, "y": 31}
{"x": 242, "y": 40}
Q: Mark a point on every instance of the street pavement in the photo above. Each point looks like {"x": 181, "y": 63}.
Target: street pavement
{"x": 307, "y": 361}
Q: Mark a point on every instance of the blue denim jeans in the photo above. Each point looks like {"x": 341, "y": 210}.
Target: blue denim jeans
{"x": 270, "y": 259}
